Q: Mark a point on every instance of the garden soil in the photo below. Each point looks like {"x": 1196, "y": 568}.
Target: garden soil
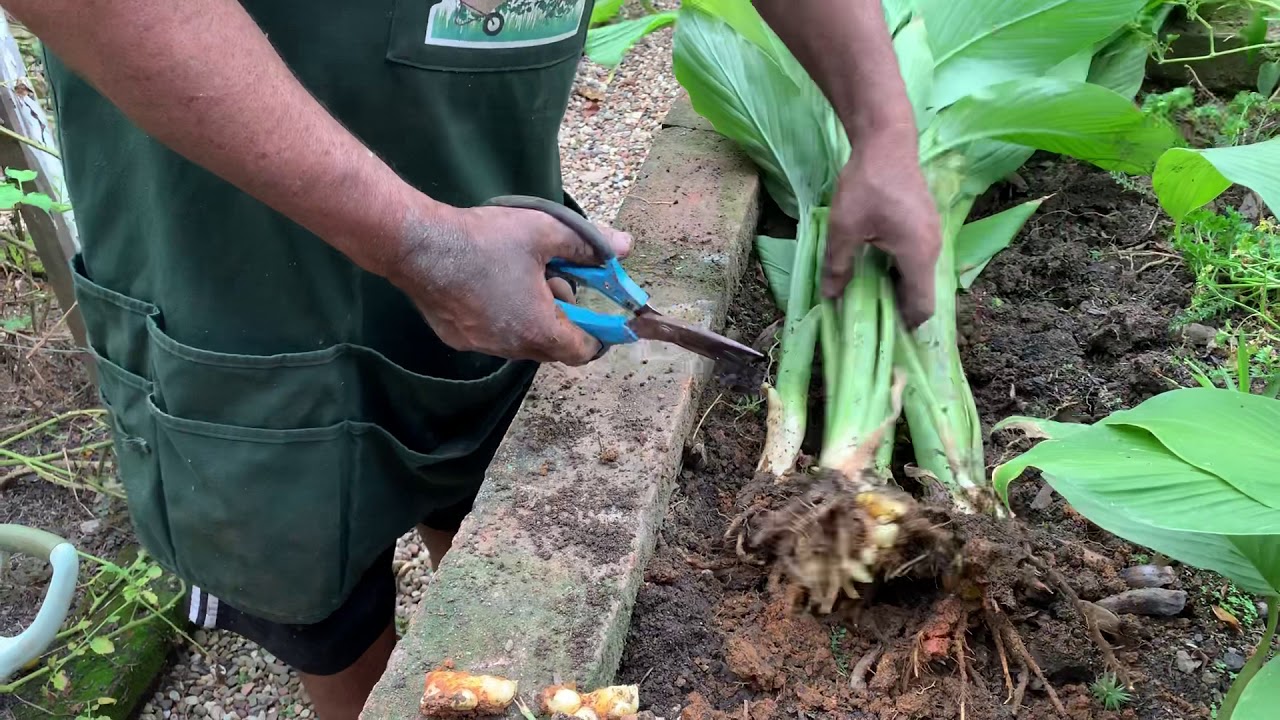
{"x": 1079, "y": 317}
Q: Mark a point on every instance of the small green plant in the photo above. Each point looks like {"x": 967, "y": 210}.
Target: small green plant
{"x": 1254, "y": 362}
{"x": 1236, "y": 264}
{"x": 838, "y": 635}
{"x": 90, "y": 712}
{"x": 748, "y": 405}
{"x": 1246, "y": 118}
{"x": 16, "y": 248}
{"x": 1168, "y": 106}
{"x": 1238, "y": 603}
{"x": 13, "y": 194}
{"x": 1108, "y": 691}
{"x": 119, "y": 599}
{"x": 81, "y": 466}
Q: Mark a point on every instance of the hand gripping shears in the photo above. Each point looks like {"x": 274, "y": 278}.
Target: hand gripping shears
{"x": 612, "y": 281}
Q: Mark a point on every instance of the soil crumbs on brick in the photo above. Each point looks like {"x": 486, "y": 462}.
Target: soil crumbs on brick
{"x": 1071, "y": 322}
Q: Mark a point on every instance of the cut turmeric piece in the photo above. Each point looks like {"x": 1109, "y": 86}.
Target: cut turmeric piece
{"x": 608, "y": 703}
{"x": 451, "y": 693}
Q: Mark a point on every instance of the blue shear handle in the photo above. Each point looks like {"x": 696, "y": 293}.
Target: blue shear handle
{"x": 608, "y": 329}
{"x": 609, "y": 280}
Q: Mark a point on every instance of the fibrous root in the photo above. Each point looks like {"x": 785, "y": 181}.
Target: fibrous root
{"x": 827, "y": 534}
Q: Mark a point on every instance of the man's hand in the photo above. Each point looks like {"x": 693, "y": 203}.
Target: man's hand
{"x": 881, "y": 199}
{"x": 478, "y": 276}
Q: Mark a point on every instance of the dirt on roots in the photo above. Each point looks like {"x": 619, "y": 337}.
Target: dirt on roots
{"x": 1071, "y": 322}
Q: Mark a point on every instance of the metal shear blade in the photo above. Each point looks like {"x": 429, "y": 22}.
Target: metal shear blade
{"x": 652, "y": 325}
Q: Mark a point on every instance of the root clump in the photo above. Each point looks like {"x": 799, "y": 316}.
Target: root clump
{"x": 823, "y": 535}
{"x": 826, "y": 534}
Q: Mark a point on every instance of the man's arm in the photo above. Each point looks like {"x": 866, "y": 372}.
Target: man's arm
{"x": 882, "y": 197}
{"x": 200, "y": 77}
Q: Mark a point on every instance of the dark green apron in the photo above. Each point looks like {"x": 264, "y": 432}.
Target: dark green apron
{"x": 281, "y": 416}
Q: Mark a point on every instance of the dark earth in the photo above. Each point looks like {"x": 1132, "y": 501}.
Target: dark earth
{"x": 1077, "y": 318}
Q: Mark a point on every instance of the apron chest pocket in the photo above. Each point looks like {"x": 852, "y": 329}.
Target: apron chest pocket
{"x": 487, "y": 35}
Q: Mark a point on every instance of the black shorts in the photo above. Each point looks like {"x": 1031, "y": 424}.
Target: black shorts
{"x": 337, "y": 642}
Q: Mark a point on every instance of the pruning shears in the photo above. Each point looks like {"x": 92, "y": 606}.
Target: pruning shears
{"x": 612, "y": 281}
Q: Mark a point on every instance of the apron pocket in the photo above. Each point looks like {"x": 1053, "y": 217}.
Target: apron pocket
{"x": 133, "y": 431}
{"x": 274, "y": 520}
{"x": 116, "y": 323}
{"x": 444, "y": 417}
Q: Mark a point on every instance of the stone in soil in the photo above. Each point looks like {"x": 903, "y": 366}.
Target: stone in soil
{"x": 1148, "y": 576}
{"x": 1233, "y": 660}
{"x": 1146, "y": 601}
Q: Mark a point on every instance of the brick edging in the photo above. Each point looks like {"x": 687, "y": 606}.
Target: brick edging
{"x": 543, "y": 575}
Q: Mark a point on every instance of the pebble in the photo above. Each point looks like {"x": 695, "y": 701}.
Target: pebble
{"x": 1044, "y": 498}
{"x": 1198, "y": 334}
{"x": 1186, "y": 663}
{"x": 1146, "y": 601}
{"x": 1148, "y": 576}
{"x": 603, "y": 143}
{"x": 1233, "y": 659}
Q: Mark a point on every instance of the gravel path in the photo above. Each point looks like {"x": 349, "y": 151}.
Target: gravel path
{"x": 604, "y": 140}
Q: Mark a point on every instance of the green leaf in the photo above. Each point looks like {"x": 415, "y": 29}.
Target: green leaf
{"x": 154, "y": 572}
{"x": 1268, "y": 77}
{"x": 1186, "y": 179}
{"x": 605, "y": 10}
{"x": 751, "y": 98}
{"x": 1123, "y": 481}
{"x": 60, "y": 681}
{"x": 150, "y": 598}
{"x": 1121, "y": 65}
{"x": 1079, "y": 120}
{"x": 1039, "y": 427}
{"x": 915, "y": 63}
{"x": 992, "y": 160}
{"x": 777, "y": 257}
{"x": 1255, "y": 33}
{"x": 1129, "y": 469}
{"x": 40, "y": 200}
{"x": 896, "y": 14}
{"x": 1229, "y": 434}
{"x": 21, "y": 323}
{"x": 740, "y": 16}
{"x": 20, "y": 175}
{"x": 1123, "y": 477}
{"x": 10, "y": 196}
{"x": 1258, "y": 699}
{"x": 984, "y": 42}
{"x": 1207, "y": 551}
{"x": 102, "y": 645}
{"x": 980, "y": 240}
{"x": 607, "y": 45}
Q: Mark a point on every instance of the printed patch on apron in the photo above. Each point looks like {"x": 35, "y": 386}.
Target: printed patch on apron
{"x": 503, "y": 23}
